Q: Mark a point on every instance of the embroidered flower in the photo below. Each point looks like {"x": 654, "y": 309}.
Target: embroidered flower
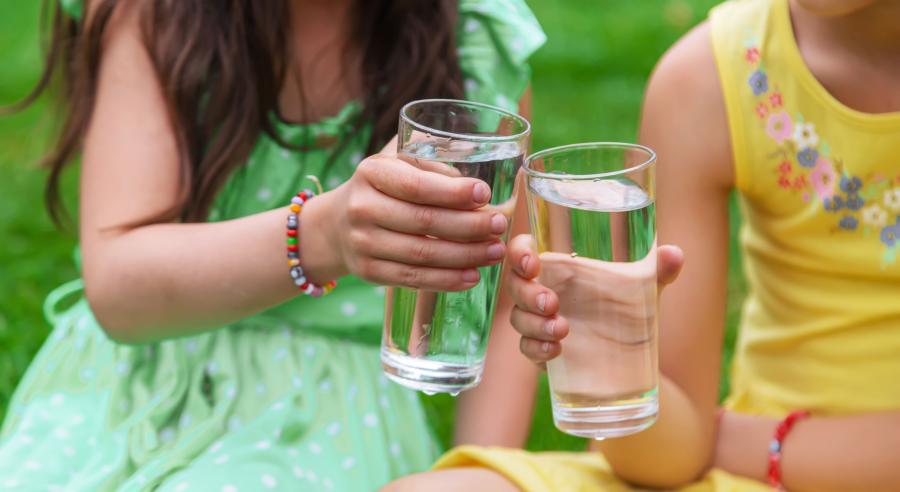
{"x": 752, "y": 54}
{"x": 890, "y": 235}
{"x": 784, "y": 181}
{"x": 779, "y": 127}
{"x": 874, "y": 215}
{"x": 892, "y": 200}
{"x": 759, "y": 82}
{"x": 785, "y": 167}
{"x": 762, "y": 110}
{"x": 833, "y": 204}
{"x": 805, "y": 135}
{"x": 800, "y": 182}
{"x": 808, "y": 157}
{"x": 823, "y": 180}
{"x": 775, "y": 100}
{"x": 854, "y": 201}
{"x": 850, "y": 184}
{"x": 848, "y": 222}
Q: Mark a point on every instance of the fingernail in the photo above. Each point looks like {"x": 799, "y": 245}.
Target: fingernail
{"x": 498, "y": 224}
{"x": 542, "y": 301}
{"x": 470, "y": 276}
{"x": 481, "y": 193}
{"x": 495, "y": 251}
{"x": 524, "y": 263}
{"x": 549, "y": 326}
{"x": 545, "y": 347}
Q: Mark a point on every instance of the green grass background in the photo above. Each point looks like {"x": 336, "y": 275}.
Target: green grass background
{"x": 588, "y": 84}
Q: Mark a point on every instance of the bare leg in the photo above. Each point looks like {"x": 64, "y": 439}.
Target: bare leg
{"x": 453, "y": 480}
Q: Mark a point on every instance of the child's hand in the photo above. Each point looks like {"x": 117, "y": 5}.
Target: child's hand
{"x": 400, "y": 224}
{"x": 535, "y": 315}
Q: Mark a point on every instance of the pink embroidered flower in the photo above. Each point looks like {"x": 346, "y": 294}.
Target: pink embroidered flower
{"x": 785, "y": 167}
{"x": 823, "y": 178}
{"x": 780, "y": 127}
{"x": 762, "y": 110}
{"x": 752, "y": 54}
{"x": 775, "y": 100}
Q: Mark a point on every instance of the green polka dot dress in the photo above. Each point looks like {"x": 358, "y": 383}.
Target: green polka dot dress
{"x": 291, "y": 399}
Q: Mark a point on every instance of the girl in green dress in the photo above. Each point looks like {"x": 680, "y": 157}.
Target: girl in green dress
{"x": 186, "y": 358}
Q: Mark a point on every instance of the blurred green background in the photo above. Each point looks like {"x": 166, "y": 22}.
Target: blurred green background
{"x": 588, "y": 83}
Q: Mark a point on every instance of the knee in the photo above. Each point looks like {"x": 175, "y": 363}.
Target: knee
{"x": 452, "y": 480}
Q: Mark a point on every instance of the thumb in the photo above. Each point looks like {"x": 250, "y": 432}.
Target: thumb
{"x": 669, "y": 260}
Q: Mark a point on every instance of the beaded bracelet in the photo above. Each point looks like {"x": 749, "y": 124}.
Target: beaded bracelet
{"x": 293, "y": 248}
{"x": 784, "y": 427}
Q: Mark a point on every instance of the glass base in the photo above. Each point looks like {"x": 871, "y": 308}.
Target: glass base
{"x": 429, "y": 376}
{"x": 602, "y": 422}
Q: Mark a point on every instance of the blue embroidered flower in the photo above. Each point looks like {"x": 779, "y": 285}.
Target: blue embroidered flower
{"x": 833, "y": 204}
{"x": 890, "y": 235}
{"x": 807, "y": 157}
{"x": 850, "y": 184}
{"x": 759, "y": 82}
{"x": 854, "y": 201}
{"x": 848, "y": 222}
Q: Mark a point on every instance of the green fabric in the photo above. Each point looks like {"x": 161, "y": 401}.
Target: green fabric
{"x": 291, "y": 399}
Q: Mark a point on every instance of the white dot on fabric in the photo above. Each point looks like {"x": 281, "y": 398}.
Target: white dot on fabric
{"x": 370, "y": 420}
{"x": 293, "y": 452}
{"x": 26, "y": 439}
{"x": 32, "y": 465}
{"x": 57, "y": 399}
{"x": 61, "y": 433}
{"x": 216, "y": 446}
{"x": 277, "y": 434}
{"x": 121, "y": 368}
{"x": 280, "y": 354}
{"x": 124, "y": 406}
{"x": 181, "y": 487}
{"x": 184, "y": 421}
{"x": 92, "y": 442}
{"x": 285, "y": 154}
{"x": 266, "y": 444}
{"x": 379, "y": 291}
{"x": 356, "y": 158}
{"x": 234, "y": 423}
{"x": 221, "y": 460}
{"x": 395, "y": 449}
{"x": 333, "y": 429}
{"x": 314, "y": 448}
{"x": 325, "y": 385}
{"x": 384, "y": 401}
{"x": 77, "y": 419}
{"x": 471, "y": 25}
{"x": 80, "y": 342}
{"x": 352, "y": 391}
{"x": 264, "y": 194}
{"x": 229, "y": 488}
{"x": 68, "y": 451}
{"x": 269, "y": 481}
{"x": 167, "y": 434}
{"x": 502, "y": 101}
{"x": 230, "y": 392}
{"x": 470, "y": 85}
{"x": 278, "y": 406}
{"x": 191, "y": 346}
{"x": 516, "y": 45}
{"x": 212, "y": 368}
{"x": 297, "y": 381}
{"x": 55, "y": 488}
{"x": 298, "y": 472}
{"x": 328, "y": 484}
{"x": 311, "y": 476}
{"x": 348, "y": 309}
{"x": 309, "y": 351}
{"x": 11, "y": 482}
{"x": 348, "y": 463}
{"x": 260, "y": 388}
{"x": 88, "y": 373}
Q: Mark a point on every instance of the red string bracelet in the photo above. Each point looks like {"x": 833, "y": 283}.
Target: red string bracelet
{"x": 775, "y": 447}
{"x": 293, "y": 247}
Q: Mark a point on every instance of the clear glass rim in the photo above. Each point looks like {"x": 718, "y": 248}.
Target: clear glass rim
{"x": 649, "y": 161}
{"x": 466, "y": 136}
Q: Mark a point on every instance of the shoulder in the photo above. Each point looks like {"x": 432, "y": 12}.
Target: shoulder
{"x": 684, "y": 110}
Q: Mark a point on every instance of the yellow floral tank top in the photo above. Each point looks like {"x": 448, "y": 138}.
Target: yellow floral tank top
{"x": 819, "y": 185}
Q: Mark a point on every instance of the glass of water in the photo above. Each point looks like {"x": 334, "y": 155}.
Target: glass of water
{"x": 436, "y": 341}
{"x": 592, "y": 213}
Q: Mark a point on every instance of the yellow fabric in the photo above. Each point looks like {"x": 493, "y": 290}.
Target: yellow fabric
{"x": 820, "y": 194}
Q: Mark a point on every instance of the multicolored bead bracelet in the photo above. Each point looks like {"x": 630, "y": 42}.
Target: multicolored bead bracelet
{"x": 293, "y": 248}
{"x": 777, "y": 443}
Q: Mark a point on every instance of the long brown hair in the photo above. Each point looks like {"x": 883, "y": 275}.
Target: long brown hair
{"x": 222, "y": 63}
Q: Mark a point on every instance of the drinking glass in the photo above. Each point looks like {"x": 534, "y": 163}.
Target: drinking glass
{"x": 592, "y": 215}
{"x": 436, "y": 341}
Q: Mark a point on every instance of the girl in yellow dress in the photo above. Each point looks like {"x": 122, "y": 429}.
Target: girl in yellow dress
{"x": 795, "y": 104}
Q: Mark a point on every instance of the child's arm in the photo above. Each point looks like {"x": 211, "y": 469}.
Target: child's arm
{"x": 168, "y": 279}
{"x": 498, "y": 411}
